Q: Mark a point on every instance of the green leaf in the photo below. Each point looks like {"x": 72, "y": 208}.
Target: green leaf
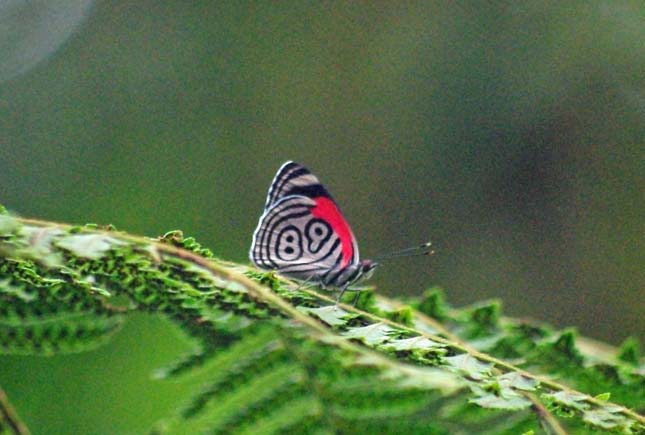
{"x": 630, "y": 351}
{"x": 331, "y": 315}
{"x": 414, "y": 343}
{"x": 424, "y": 378}
{"x": 372, "y": 334}
{"x": 470, "y": 366}
{"x": 508, "y": 400}
{"x": 517, "y": 381}
{"x": 37, "y": 244}
{"x": 8, "y": 224}
{"x": 605, "y": 419}
{"x": 567, "y": 400}
{"x": 18, "y": 291}
{"x": 603, "y": 397}
{"x": 433, "y": 304}
{"x": 91, "y": 246}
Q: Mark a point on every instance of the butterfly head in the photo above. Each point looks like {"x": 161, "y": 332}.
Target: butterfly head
{"x": 367, "y": 268}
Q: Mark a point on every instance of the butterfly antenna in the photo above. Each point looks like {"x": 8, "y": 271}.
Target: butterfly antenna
{"x": 425, "y": 249}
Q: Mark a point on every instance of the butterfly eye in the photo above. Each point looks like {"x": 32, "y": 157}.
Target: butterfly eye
{"x": 318, "y": 233}
{"x": 289, "y": 244}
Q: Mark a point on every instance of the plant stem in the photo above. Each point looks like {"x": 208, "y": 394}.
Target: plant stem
{"x": 9, "y": 416}
{"x": 550, "y": 424}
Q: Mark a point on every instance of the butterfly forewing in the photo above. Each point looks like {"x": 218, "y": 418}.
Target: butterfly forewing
{"x": 294, "y": 179}
{"x": 302, "y": 232}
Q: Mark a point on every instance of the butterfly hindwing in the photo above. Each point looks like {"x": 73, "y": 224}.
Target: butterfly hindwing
{"x": 302, "y": 232}
{"x": 283, "y": 239}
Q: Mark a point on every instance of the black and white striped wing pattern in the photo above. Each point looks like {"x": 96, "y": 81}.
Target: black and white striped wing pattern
{"x": 302, "y": 233}
{"x": 294, "y": 179}
{"x": 289, "y": 239}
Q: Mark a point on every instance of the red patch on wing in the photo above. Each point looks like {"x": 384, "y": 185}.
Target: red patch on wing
{"x": 326, "y": 210}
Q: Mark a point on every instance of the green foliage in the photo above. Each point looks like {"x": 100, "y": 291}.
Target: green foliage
{"x": 276, "y": 358}
{"x": 630, "y": 351}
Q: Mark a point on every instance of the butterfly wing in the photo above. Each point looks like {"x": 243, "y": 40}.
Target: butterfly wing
{"x": 294, "y": 179}
{"x": 302, "y": 232}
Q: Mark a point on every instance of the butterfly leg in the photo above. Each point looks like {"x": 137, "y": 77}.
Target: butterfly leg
{"x": 340, "y": 294}
{"x": 358, "y": 295}
{"x": 302, "y": 284}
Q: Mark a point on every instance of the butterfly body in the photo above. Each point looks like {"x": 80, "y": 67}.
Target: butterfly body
{"x": 302, "y": 233}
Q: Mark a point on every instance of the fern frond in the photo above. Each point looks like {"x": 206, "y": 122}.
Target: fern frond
{"x": 265, "y": 347}
{"x": 46, "y": 315}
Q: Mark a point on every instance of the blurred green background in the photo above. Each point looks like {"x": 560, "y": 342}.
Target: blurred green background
{"x": 512, "y": 135}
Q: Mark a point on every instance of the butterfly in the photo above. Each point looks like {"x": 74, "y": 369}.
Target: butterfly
{"x": 302, "y": 234}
